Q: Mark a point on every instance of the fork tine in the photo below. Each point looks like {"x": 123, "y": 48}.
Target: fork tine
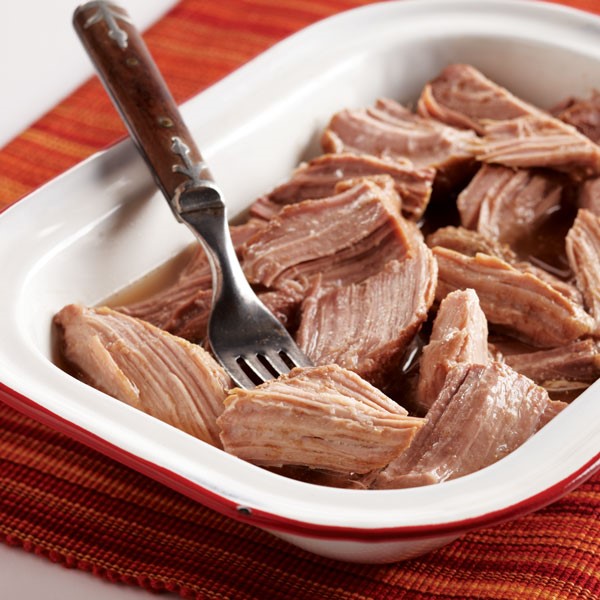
{"x": 240, "y": 378}
{"x": 252, "y": 365}
{"x": 279, "y": 365}
{"x": 294, "y": 356}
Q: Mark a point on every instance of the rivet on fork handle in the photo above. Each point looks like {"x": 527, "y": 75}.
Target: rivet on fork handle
{"x": 139, "y": 92}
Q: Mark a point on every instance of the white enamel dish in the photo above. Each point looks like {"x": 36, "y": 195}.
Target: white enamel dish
{"x": 101, "y": 226}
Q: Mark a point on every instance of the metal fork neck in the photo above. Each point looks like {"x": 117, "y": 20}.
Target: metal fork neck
{"x": 204, "y": 211}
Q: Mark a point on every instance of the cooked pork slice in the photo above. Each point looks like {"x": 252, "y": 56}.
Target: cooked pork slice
{"x": 472, "y": 242}
{"x": 367, "y": 326}
{"x": 337, "y": 236}
{"x": 463, "y": 97}
{"x": 284, "y": 304}
{"x": 318, "y": 417}
{"x": 459, "y": 335}
{"x": 583, "y": 114}
{"x": 389, "y": 130}
{"x": 583, "y": 251}
{"x": 538, "y": 141}
{"x": 182, "y": 308}
{"x": 578, "y": 361}
{"x": 319, "y": 177}
{"x": 145, "y": 367}
{"x": 482, "y": 413}
{"x": 469, "y": 242}
{"x": 589, "y": 195}
{"x": 508, "y": 204}
{"x": 553, "y": 408}
{"x": 518, "y": 302}
{"x": 354, "y": 263}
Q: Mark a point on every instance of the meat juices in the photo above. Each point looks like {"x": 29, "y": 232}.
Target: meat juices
{"x": 336, "y": 252}
{"x": 183, "y": 307}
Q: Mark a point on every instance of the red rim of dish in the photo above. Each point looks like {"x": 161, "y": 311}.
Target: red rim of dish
{"x": 280, "y": 524}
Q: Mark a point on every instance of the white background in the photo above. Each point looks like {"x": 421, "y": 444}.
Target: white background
{"x": 42, "y": 61}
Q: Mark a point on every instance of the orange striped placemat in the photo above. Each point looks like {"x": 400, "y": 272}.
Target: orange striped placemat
{"x": 76, "y": 507}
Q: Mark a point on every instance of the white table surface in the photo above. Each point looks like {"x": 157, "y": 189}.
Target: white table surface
{"x": 42, "y": 61}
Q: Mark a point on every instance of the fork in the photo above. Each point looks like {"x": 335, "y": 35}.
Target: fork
{"x": 245, "y": 337}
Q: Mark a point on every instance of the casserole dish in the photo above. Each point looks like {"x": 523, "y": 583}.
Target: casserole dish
{"x": 102, "y": 225}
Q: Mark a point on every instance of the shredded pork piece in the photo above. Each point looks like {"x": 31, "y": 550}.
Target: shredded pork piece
{"x": 319, "y": 177}
{"x": 461, "y": 96}
{"x": 389, "y": 130}
{"x": 342, "y": 237}
{"x": 459, "y": 335}
{"x": 508, "y": 204}
{"x": 589, "y": 195}
{"x": 145, "y": 367}
{"x": 583, "y": 251}
{"x": 472, "y": 242}
{"x": 583, "y": 114}
{"x": 519, "y": 302}
{"x": 578, "y": 361}
{"x": 367, "y": 326}
{"x": 318, "y": 417}
{"x": 482, "y": 413}
{"x": 538, "y": 141}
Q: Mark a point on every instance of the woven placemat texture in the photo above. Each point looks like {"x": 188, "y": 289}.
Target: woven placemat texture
{"x": 74, "y": 506}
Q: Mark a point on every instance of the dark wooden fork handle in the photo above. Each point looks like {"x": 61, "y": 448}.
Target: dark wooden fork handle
{"x": 141, "y": 95}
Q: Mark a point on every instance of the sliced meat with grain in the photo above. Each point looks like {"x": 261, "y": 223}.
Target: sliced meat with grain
{"x": 367, "y": 326}
{"x": 341, "y": 238}
{"x": 583, "y": 251}
{"x": 583, "y": 114}
{"x": 470, "y": 243}
{"x": 389, "y": 130}
{"x": 459, "y": 335}
{"x": 538, "y": 141}
{"x": 319, "y": 177}
{"x": 513, "y": 301}
{"x": 508, "y": 204}
{"x": 145, "y": 367}
{"x": 482, "y": 414}
{"x": 461, "y": 96}
{"x": 589, "y": 195}
{"x": 577, "y": 362}
{"x": 318, "y": 417}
